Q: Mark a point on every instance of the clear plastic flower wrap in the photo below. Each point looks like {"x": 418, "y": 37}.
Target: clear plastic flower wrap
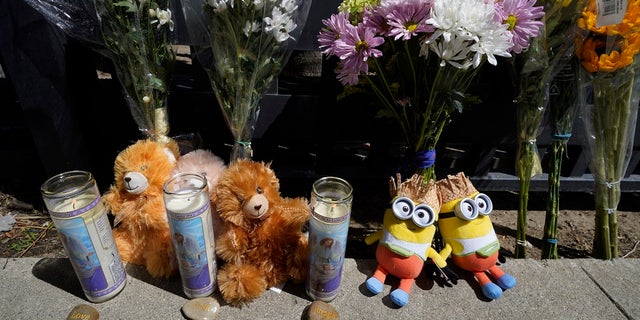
{"x": 136, "y": 35}
{"x": 609, "y": 97}
{"x": 243, "y": 46}
{"x": 533, "y": 70}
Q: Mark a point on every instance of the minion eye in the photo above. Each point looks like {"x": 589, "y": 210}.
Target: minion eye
{"x": 485, "y": 206}
{"x": 466, "y": 209}
{"x": 402, "y": 208}
{"x": 423, "y": 216}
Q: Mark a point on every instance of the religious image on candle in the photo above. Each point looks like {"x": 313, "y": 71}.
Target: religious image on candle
{"x": 191, "y": 252}
{"x": 75, "y": 238}
{"x": 326, "y": 261}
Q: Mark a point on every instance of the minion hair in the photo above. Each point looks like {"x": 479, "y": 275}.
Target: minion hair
{"x": 416, "y": 189}
{"x": 455, "y": 187}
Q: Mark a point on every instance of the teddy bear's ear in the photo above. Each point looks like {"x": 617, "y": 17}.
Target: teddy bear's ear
{"x": 170, "y": 155}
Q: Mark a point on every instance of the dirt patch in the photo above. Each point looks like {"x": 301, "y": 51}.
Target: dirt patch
{"x": 34, "y": 235}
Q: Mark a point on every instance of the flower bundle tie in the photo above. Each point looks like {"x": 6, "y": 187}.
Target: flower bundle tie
{"x": 246, "y": 145}
{"x": 424, "y": 159}
{"x": 610, "y": 185}
{"x": 550, "y": 240}
{"x": 561, "y": 136}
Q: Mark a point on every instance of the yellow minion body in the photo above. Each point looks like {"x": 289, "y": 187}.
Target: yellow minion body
{"x": 452, "y": 228}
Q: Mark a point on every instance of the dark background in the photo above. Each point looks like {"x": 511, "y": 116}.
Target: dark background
{"x": 56, "y": 115}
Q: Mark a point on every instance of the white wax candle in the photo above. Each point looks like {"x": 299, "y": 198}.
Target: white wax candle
{"x": 186, "y": 204}
{"x": 73, "y": 204}
{"x": 331, "y": 210}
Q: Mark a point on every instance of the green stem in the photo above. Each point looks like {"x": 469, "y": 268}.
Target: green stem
{"x": 525, "y": 165}
{"x": 550, "y": 245}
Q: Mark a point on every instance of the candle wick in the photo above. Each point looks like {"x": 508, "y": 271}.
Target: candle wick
{"x": 73, "y": 203}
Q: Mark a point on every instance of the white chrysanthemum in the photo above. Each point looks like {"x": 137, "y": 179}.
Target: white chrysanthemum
{"x": 288, "y": 6}
{"x": 163, "y": 17}
{"x": 219, "y": 5}
{"x": 455, "y": 51}
{"x": 258, "y": 4}
{"x": 279, "y": 24}
{"x": 468, "y": 22}
{"x": 250, "y": 27}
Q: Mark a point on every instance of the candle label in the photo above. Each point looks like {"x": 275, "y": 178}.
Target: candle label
{"x": 192, "y": 235}
{"x": 327, "y": 245}
{"x": 329, "y": 219}
{"x": 86, "y": 236}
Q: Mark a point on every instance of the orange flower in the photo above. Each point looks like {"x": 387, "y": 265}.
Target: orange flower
{"x": 609, "y": 48}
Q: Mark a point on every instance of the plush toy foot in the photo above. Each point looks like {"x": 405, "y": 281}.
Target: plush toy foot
{"x": 241, "y": 283}
{"x": 491, "y": 291}
{"x": 400, "y": 297}
{"x": 159, "y": 266}
{"x": 506, "y": 281}
{"x": 374, "y": 285}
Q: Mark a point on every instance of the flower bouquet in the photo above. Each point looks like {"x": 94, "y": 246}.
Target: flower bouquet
{"x": 563, "y": 96}
{"x": 135, "y": 35}
{"x": 609, "y": 96}
{"x": 419, "y": 58}
{"x": 243, "y": 46}
{"x": 533, "y": 71}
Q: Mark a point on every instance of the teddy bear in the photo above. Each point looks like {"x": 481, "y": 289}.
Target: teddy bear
{"x": 264, "y": 244}
{"x": 468, "y": 235}
{"x": 135, "y": 199}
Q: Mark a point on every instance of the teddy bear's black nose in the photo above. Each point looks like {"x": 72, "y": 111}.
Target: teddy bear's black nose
{"x": 257, "y": 208}
{"x": 127, "y": 179}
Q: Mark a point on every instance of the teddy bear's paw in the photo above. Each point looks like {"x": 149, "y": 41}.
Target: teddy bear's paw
{"x": 160, "y": 270}
{"x": 241, "y": 283}
{"x": 125, "y": 248}
{"x": 159, "y": 265}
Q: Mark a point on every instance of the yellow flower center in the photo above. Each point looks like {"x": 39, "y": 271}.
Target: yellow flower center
{"x": 361, "y": 45}
{"x": 511, "y": 21}
{"x": 412, "y": 27}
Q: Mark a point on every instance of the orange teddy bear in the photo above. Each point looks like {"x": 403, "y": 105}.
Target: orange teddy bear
{"x": 263, "y": 245}
{"x": 141, "y": 228}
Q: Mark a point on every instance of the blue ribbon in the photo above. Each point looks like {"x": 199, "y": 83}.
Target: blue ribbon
{"x": 419, "y": 160}
{"x": 562, "y": 136}
{"x": 424, "y": 159}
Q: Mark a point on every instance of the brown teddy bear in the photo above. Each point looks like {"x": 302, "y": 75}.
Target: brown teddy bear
{"x": 141, "y": 228}
{"x": 263, "y": 245}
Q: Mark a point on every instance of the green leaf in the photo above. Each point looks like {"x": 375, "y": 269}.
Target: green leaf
{"x": 131, "y": 7}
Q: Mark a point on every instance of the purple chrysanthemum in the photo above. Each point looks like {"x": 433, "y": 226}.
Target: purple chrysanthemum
{"x": 356, "y": 46}
{"x": 407, "y": 18}
{"x": 523, "y": 19}
{"x": 349, "y": 71}
{"x": 375, "y": 20}
{"x": 330, "y": 34}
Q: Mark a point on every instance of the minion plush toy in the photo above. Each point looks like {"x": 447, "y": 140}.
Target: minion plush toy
{"x": 468, "y": 234}
{"x": 405, "y": 238}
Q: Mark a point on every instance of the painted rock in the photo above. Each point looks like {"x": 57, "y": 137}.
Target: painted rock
{"x": 201, "y": 308}
{"x": 83, "y": 312}
{"x": 320, "y": 310}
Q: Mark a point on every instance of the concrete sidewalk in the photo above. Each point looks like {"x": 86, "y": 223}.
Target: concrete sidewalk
{"x": 34, "y": 288}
